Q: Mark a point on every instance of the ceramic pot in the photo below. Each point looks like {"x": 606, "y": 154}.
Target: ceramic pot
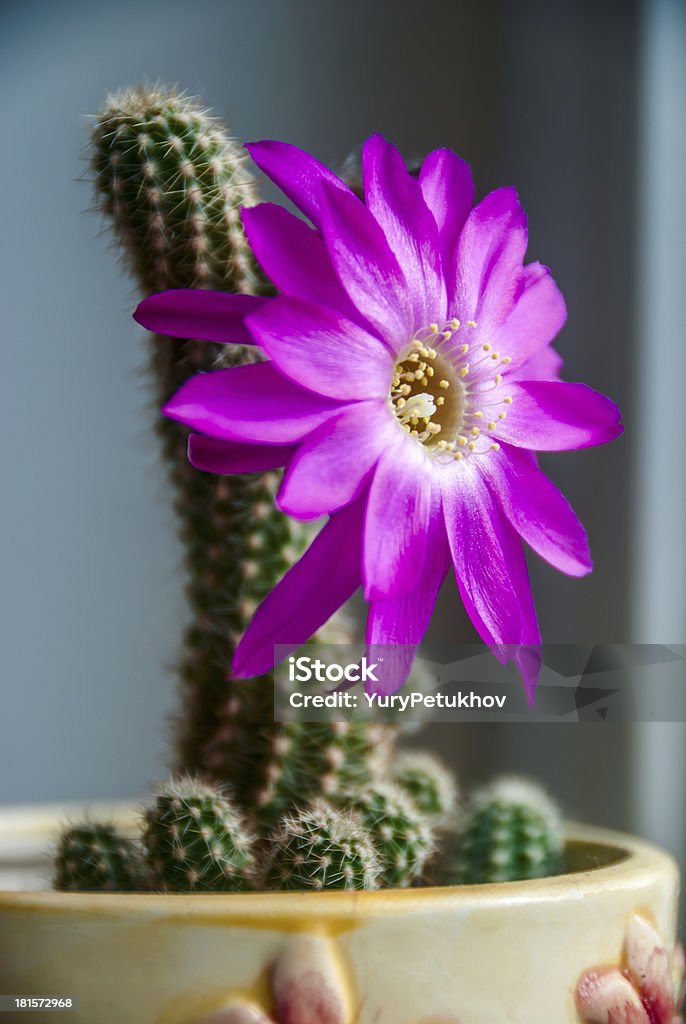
{"x": 552, "y": 951}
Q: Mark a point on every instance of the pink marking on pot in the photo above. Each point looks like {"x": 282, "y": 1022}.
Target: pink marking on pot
{"x": 605, "y": 996}
{"x": 642, "y": 991}
{"x": 307, "y": 984}
{"x": 648, "y": 966}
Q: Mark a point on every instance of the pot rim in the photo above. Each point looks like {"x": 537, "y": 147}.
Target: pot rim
{"x": 617, "y": 861}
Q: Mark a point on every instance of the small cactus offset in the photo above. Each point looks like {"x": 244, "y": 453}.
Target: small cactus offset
{"x": 403, "y": 837}
{"x": 196, "y": 841}
{"x": 510, "y": 831}
{"x": 322, "y": 848}
{"x": 93, "y": 857}
{"x": 428, "y": 783}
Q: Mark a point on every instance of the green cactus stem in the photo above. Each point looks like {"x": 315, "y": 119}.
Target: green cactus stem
{"x": 196, "y": 841}
{"x": 511, "y": 830}
{"x": 310, "y": 760}
{"x": 402, "y": 836}
{"x": 93, "y": 857}
{"x": 172, "y": 182}
{"x": 428, "y": 783}
{"x": 322, "y": 848}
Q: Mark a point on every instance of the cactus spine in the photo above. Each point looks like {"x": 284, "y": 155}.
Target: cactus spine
{"x": 322, "y": 848}
{"x": 196, "y": 841}
{"x": 510, "y": 831}
{"x": 95, "y": 858}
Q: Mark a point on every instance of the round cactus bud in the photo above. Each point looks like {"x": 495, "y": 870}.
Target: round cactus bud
{"x": 95, "y": 858}
{"x": 403, "y": 837}
{"x": 510, "y": 831}
{"x": 195, "y": 841}
{"x": 428, "y": 783}
{"x": 322, "y": 848}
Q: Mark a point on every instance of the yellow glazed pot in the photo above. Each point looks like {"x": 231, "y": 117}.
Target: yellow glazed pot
{"x": 540, "y": 952}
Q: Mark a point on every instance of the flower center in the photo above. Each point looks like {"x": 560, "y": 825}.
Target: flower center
{"x": 446, "y": 396}
{"x": 427, "y": 395}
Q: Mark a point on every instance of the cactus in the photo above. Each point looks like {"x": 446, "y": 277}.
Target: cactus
{"x": 172, "y": 182}
{"x": 428, "y": 783}
{"x": 402, "y": 836}
{"x": 196, "y": 841}
{"x": 322, "y": 848}
{"x": 510, "y": 831}
{"x": 93, "y": 857}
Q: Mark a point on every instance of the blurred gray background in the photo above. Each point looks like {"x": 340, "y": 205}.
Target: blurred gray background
{"x": 578, "y": 103}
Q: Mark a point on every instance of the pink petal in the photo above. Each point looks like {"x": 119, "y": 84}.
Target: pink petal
{"x": 307, "y": 987}
{"x": 491, "y": 571}
{"x": 488, "y": 261}
{"x": 322, "y": 351}
{"x": 538, "y": 316}
{"x": 294, "y": 257}
{"x": 396, "y": 625}
{"x": 545, "y": 365}
{"x": 556, "y": 416}
{"x": 214, "y": 456}
{"x": 307, "y": 596}
{"x": 648, "y": 966}
{"x": 448, "y": 190}
{"x": 248, "y": 403}
{"x": 331, "y": 465}
{"x": 397, "y": 204}
{"x": 366, "y": 267}
{"x": 537, "y": 510}
{"x": 397, "y": 520}
{"x": 297, "y": 174}
{"x": 195, "y": 313}
{"x": 604, "y": 996}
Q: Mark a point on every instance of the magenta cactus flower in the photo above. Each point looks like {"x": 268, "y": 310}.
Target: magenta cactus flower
{"x": 408, "y": 384}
